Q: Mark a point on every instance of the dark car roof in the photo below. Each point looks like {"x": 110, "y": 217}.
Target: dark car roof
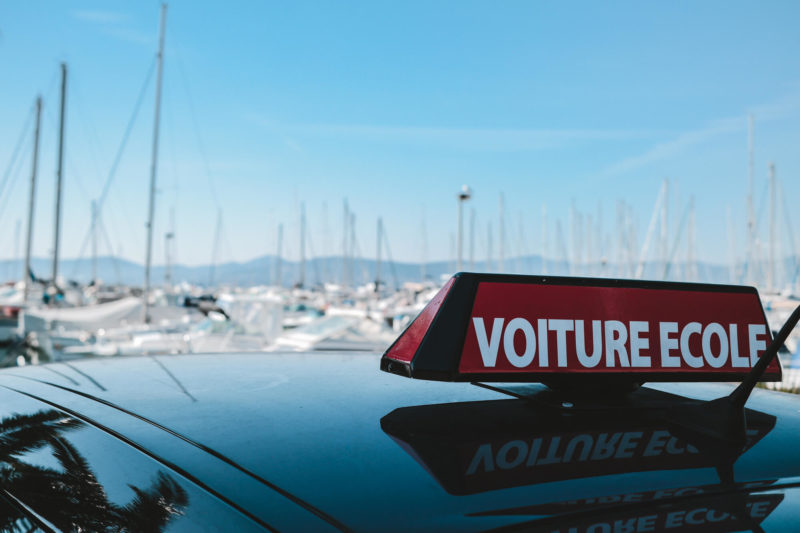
{"x": 327, "y": 441}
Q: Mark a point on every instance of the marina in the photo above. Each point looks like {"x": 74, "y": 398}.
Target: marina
{"x": 343, "y": 295}
{"x": 399, "y": 266}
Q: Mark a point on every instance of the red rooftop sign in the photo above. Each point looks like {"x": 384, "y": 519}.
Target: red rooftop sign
{"x": 483, "y": 327}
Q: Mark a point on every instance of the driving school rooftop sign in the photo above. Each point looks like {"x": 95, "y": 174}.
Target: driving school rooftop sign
{"x": 483, "y": 327}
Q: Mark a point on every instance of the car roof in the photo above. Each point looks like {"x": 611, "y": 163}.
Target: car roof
{"x": 326, "y": 440}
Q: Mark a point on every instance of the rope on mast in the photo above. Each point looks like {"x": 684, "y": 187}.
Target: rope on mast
{"x": 16, "y": 153}
{"x": 117, "y": 158}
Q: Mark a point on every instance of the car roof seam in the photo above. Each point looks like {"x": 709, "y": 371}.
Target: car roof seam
{"x": 214, "y": 453}
{"x": 142, "y": 449}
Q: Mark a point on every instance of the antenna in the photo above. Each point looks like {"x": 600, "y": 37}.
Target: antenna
{"x": 739, "y": 396}
{"x": 725, "y": 419}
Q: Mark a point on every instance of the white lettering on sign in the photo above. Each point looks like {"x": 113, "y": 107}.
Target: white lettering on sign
{"x": 736, "y": 361}
{"x": 639, "y": 343}
{"x": 618, "y": 344}
{"x": 526, "y": 358}
{"x": 543, "y": 362}
{"x": 692, "y": 328}
{"x": 715, "y": 360}
{"x": 589, "y": 361}
{"x": 756, "y": 345}
{"x": 616, "y": 337}
{"x": 668, "y": 344}
{"x": 488, "y": 347}
{"x": 561, "y": 327}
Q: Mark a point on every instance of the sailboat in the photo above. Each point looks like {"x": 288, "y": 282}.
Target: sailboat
{"x": 57, "y": 327}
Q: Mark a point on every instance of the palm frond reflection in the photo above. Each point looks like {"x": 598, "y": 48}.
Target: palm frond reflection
{"x": 70, "y": 496}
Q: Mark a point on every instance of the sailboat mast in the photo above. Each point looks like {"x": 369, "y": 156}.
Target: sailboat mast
{"x": 472, "y": 239}
{"x": 59, "y": 169}
{"x": 302, "y": 282}
{"x": 691, "y": 264}
{"x": 544, "y": 239}
{"x": 378, "y": 256}
{"x": 215, "y": 248}
{"x": 489, "y": 258}
{"x": 521, "y": 246}
{"x": 424, "y": 250}
{"x": 279, "y": 257}
{"x": 751, "y": 217}
{"x": 169, "y": 239}
{"x": 154, "y": 165}
{"x": 772, "y": 280}
{"x": 17, "y": 232}
{"x": 665, "y": 226}
{"x": 501, "y": 267}
{"x": 326, "y": 240}
{"x": 345, "y": 236}
{"x": 94, "y": 241}
{"x": 352, "y": 268}
{"x": 26, "y": 275}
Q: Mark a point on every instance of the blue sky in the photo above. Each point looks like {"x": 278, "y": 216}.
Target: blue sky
{"x": 395, "y": 105}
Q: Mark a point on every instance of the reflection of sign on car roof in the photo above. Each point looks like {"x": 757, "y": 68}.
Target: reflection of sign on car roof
{"x": 598, "y": 504}
{"x": 527, "y": 328}
{"x": 649, "y": 512}
{"x": 480, "y": 446}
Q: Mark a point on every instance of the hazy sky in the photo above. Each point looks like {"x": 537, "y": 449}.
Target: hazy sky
{"x": 395, "y": 105}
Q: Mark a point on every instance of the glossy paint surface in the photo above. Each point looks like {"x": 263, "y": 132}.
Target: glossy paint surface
{"x": 328, "y": 441}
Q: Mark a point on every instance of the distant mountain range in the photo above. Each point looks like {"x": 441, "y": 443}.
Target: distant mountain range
{"x": 263, "y": 270}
